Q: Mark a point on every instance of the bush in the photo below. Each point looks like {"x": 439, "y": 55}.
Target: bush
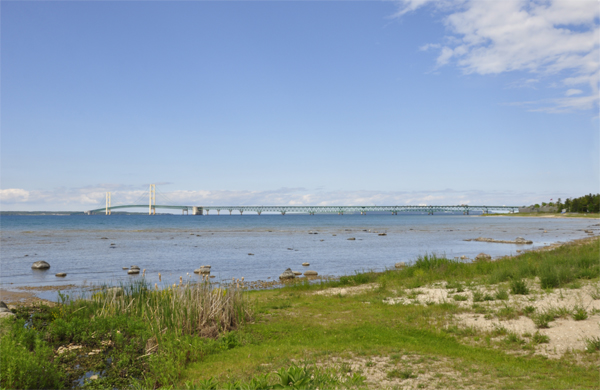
{"x": 579, "y": 313}
{"x": 539, "y": 338}
{"x": 519, "y": 287}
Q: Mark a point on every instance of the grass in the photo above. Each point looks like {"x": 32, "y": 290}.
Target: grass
{"x": 519, "y": 287}
{"x": 291, "y": 337}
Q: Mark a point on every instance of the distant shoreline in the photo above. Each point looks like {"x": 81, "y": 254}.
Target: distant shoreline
{"x": 546, "y": 215}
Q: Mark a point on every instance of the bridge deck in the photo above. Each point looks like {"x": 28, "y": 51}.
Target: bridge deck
{"x": 321, "y": 209}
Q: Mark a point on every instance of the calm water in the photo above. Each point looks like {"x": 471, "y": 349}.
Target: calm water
{"x": 176, "y": 245}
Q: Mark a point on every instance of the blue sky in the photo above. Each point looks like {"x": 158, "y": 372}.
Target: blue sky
{"x": 408, "y": 102}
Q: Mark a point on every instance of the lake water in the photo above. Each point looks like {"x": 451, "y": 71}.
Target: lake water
{"x": 176, "y": 245}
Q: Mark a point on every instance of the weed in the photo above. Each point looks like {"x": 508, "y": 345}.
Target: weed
{"x": 595, "y": 293}
{"x": 460, "y": 297}
{"x": 477, "y": 296}
{"x": 519, "y": 287}
{"x": 402, "y": 374}
{"x": 592, "y": 344}
{"x": 507, "y": 313}
{"x": 514, "y": 338}
{"x": 528, "y": 310}
{"x": 542, "y": 320}
{"x": 579, "y": 313}
{"x": 539, "y": 338}
{"x": 502, "y": 294}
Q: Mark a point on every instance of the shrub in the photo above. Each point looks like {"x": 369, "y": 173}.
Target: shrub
{"x": 592, "y": 344}
{"x": 542, "y": 320}
{"x": 519, "y": 287}
{"x": 460, "y": 297}
{"x": 529, "y": 310}
{"x": 404, "y": 374}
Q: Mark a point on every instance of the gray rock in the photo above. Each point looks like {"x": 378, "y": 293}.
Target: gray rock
{"x": 250, "y": 254}
{"x": 202, "y": 270}
{"x": 125, "y": 268}
{"x": 287, "y": 274}
{"x": 61, "y": 274}
{"x": 483, "y": 257}
{"x": 133, "y": 271}
{"x": 3, "y": 307}
{"x": 351, "y": 239}
{"x": 400, "y": 264}
{"x": 305, "y": 264}
{"x": 134, "y": 267}
{"x": 40, "y": 265}
{"x": 297, "y": 273}
{"x": 93, "y": 377}
{"x": 311, "y": 273}
{"x": 382, "y": 234}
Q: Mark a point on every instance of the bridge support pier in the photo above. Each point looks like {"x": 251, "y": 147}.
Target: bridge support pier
{"x": 197, "y": 210}
{"x": 218, "y": 212}
{"x": 241, "y": 212}
{"x": 230, "y": 211}
{"x": 283, "y": 213}
{"x": 259, "y": 212}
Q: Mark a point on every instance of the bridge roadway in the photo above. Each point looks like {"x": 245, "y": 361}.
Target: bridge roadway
{"x": 200, "y": 210}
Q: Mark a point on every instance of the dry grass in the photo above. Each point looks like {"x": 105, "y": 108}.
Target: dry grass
{"x": 189, "y": 308}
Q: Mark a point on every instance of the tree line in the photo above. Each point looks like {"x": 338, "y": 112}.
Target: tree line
{"x": 585, "y": 204}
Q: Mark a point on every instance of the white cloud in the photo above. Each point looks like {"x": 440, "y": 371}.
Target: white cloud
{"x": 93, "y": 197}
{"x": 571, "y": 92}
{"x": 545, "y": 37}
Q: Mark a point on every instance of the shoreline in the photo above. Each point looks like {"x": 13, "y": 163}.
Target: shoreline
{"x": 27, "y": 295}
{"x": 544, "y": 215}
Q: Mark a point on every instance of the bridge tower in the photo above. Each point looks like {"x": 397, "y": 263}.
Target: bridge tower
{"x": 152, "y": 203}
{"x": 108, "y": 210}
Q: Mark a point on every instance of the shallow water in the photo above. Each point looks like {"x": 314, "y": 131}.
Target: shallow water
{"x": 176, "y": 245}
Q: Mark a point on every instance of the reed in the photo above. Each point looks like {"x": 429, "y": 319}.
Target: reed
{"x": 188, "y": 308}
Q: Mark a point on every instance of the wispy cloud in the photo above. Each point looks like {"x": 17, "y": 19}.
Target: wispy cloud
{"x": 540, "y": 37}
{"x": 92, "y": 197}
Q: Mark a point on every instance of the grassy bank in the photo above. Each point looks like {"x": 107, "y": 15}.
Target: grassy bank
{"x": 546, "y": 215}
{"x": 396, "y": 329}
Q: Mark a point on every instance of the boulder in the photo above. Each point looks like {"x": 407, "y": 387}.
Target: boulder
{"x": 400, "y": 264}
{"x": 40, "y": 265}
{"x": 310, "y": 273}
{"x": 463, "y": 257}
{"x": 134, "y": 267}
{"x": 250, "y": 254}
{"x": 483, "y": 257}
{"x": 351, "y": 239}
{"x": 125, "y": 268}
{"x": 382, "y": 234}
{"x": 305, "y": 264}
{"x": 61, "y": 274}
{"x": 202, "y": 270}
{"x": 287, "y": 274}
{"x": 133, "y": 271}
{"x": 3, "y": 307}
{"x": 6, "y": 314}
{"x": 297, "y": 273}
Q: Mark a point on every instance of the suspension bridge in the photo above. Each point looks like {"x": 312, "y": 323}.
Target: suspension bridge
{"x": 151, "y": 196}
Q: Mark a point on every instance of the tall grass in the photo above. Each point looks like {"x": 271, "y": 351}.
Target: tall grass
{"x": 191, "y": 308}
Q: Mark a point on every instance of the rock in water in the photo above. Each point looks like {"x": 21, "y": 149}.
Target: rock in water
{"x": 483, "y": 257}
{"x": 287, "y": 274}
{"x": 133, "y": 271}
{"x": 125, "y": 268}
{"x": 521, "y": 240}
{"x": 40, "y": 265}
{"x": 382, "y": 234}
{"x": 351, "y": 239}
{"x": 310, "y": 273}
{"x": 116, "y": 291}
{"x": 61, "y": 274}
{"x": 297, "y": 273}
{"x": 305, "y": 264}
{"x": 400, "y": 264}
{"x": 135, "y": 267}
{"x": 202, "y": 270}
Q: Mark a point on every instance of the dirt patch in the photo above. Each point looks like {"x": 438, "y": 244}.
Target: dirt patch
{"x": 406, "y": 371}
{"x": 17, "y": 298}
{"x": 348, "y": 290}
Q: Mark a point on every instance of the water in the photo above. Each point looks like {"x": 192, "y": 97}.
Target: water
{"x": 176, "y": 245}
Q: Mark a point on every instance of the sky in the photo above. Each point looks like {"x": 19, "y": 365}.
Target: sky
{"x": 298, "y": 102}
